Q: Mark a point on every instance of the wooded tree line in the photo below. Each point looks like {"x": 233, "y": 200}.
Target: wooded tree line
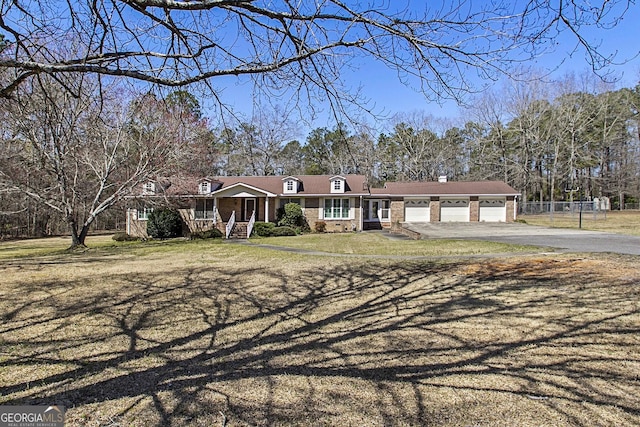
{"x": 72, "y": 148}
{"x": 550, "y": 147}
{"x": 75, "y": 144}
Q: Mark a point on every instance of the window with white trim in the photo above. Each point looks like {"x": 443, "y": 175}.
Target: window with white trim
{"x": 143, "y": 213}
{"x": 149, "y": 188}
{"x": 338, "y": 184}
{"x": 204, "y": 188}
{"x": 290, "y": 186}
{"x": 384, "y": 210}
{"x": 204, "y": 209}
{"x": 337, "y": 209}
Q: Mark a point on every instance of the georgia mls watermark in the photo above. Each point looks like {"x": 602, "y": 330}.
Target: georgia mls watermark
{"x": 32, "y": 416}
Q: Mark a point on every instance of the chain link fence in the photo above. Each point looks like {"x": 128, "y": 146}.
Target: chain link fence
{"x": 597, "y": 207}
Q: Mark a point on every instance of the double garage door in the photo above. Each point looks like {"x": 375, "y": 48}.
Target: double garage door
{"x": 456, "y": 210}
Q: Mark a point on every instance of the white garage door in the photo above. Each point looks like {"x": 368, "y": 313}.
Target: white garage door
{"x": 454, "y": 210}
{"x": 417, "y": 211}
{"x": 493, "y": 210}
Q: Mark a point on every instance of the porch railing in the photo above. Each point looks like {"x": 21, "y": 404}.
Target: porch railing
{"x": 230, "y": 224}
{"x": 252, "y": 221}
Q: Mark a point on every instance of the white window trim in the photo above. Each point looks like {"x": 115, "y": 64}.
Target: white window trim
{"x": 337, "y": 182}
{"x": 352, "y": 209}
{"x": 380, "y": 212}
{"x": 294, "y": 187}
{"x": 145, "y": 214}
{"x": 149, "y": 188}
{"x": 204, "y": 188}
{"x": 212, "y": 212}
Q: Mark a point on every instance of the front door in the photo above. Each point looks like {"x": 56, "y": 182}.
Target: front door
{"x": 376, "y": 210}
{"x": 373, "y": 214}
{"x": 249, "y": 208}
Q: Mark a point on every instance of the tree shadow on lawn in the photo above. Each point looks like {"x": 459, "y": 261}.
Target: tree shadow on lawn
{"x": 358, "y": 342}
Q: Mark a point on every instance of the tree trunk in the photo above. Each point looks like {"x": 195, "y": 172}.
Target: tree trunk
{"x": 621, "y": 201}
{"x": 77, "y": 239}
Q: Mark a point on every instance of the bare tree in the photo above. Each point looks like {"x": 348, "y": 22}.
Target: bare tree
{"x": 421, "y": 154}
{"x": 256, "y": 147}
{"x": 78, "y": 153}
{"x": 286, "y": 44}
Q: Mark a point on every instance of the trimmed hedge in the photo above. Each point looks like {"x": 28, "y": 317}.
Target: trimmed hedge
{"x": 263, "y": 229}
{"x": 283, "y": 231}
{"x": 214, "y": 233}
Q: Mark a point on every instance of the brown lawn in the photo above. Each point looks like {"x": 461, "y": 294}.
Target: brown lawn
{"x": 622, "y": 222}
{"x": 203, "y": 334}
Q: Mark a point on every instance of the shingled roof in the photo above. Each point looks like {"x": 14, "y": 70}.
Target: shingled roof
{"x": 442, "y": 189}
{"x": 309, "y": 185}
{"x": 320, "y": 185}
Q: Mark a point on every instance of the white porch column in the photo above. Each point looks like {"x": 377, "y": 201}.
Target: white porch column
{"x": 361, "y": 221}
{"x": 266, "y": 209}
{"x": 129, "y": 221}
{"x": 215, "y": 211}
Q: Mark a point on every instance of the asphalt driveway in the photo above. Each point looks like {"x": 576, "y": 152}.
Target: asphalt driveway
{"x": 566, "y": 240}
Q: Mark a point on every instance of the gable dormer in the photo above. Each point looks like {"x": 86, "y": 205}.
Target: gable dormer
{"x": 290, "y": 185}
{"x": 149, "y": 188}
{"x": 338, "y": 184}
{"x": 204, "y": 187}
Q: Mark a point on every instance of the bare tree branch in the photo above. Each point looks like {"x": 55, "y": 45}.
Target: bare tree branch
{"x": 290, "y": 43}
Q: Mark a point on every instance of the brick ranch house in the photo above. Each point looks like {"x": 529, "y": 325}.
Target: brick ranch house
{"x": 342, "y": 202}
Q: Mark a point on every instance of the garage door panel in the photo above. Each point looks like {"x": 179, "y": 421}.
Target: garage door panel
{"x": 454, "y": 210}
{"x": 493, "y": 210}
{"x": 417, "y": 211}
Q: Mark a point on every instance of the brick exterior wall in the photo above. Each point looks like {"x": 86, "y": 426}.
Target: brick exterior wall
{"x": 227, "y": 206}
{"x": 138, "y": 228}
{"x": 434, "y": 205}
{"x": 511, "y": 209}
{"x": 135, "y": 227}
{"x": 312, "y": 213}
{"x": 474, "y": 209}
{"x": 397, "y": 212}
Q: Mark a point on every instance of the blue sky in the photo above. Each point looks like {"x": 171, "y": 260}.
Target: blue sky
{"x": 388, "y": 96}
{"x": 381, "y": 85}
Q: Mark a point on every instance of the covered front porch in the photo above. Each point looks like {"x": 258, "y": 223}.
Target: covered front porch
{"x": 238, "y": 207}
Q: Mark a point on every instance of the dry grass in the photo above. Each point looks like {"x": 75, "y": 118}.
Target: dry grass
{"x": 184, "y": 333}
{"x": 622, "y": 222}
{"x": 381, "y": 244}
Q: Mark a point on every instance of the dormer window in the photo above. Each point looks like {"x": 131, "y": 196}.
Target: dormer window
{"x": 205, "y": 188}
{"x": 290, "y": 185}
{"x": 149, "y": 188}
{"x": 337, "y": 184}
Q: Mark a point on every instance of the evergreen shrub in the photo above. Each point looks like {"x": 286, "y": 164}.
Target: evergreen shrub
{"x": 263, "y": 229}
{"x": 164, "y": 223}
